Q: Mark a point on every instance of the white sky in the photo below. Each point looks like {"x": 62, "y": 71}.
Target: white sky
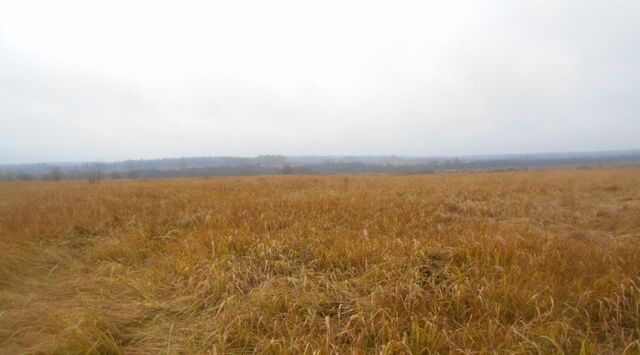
{"x": 110, "y": 80}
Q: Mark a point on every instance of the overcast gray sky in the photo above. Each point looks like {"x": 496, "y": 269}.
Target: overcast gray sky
{"x": 111, "y": 80}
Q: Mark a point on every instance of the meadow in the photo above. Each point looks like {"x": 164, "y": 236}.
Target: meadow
{"x": 543, "y": 261}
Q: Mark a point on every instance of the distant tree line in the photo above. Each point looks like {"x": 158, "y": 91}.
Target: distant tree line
{"x": 281, "y": 165}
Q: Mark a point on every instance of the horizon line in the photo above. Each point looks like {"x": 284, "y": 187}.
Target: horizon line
{"x": 577, "y": 152}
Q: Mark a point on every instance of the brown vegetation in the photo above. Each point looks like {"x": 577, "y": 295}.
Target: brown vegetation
{"x": 542, "y": 262}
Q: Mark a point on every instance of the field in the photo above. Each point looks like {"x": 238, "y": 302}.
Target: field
{"x": 509, "y": 262}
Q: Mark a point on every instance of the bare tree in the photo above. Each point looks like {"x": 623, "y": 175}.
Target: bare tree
{"x": 95, "y": 173}
{"x": 286, "y": 170}
{"x": 55, "y": 174}
{"x": 132, "y": 170}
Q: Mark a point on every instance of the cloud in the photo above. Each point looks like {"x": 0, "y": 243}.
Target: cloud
{"x": 86, "y": 80}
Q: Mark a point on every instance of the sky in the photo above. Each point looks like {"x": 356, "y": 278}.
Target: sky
{"x": 112, "y": 80}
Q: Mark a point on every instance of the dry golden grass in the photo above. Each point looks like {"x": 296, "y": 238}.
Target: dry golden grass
{"x": 524, "y": 262}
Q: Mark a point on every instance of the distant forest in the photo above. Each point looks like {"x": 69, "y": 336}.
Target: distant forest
{"x": 287, "y": 165}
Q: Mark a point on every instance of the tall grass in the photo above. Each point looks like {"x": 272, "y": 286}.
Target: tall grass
{"x": 513, "y": 262}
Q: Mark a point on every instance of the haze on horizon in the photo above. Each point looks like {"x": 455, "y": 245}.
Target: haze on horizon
{"x": 88, "y": 80}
